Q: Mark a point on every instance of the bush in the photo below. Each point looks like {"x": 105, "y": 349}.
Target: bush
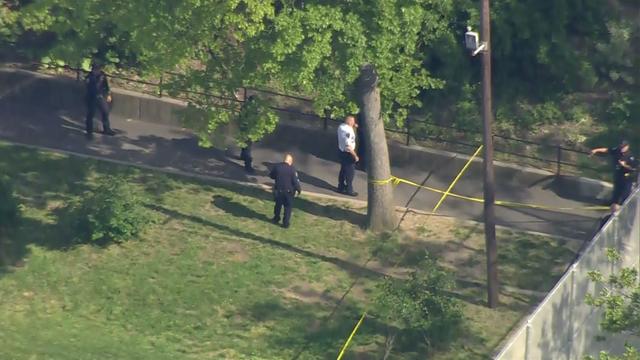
{"x": 421, "y": 307}
{"x": 9, "y": 206}
{"x": 113, "y": 211}
{"x": 619, "y": 301}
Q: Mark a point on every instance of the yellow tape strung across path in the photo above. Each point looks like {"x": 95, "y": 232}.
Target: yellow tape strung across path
{"x": 396, "y": 181}
{"x": 453, "y": 183}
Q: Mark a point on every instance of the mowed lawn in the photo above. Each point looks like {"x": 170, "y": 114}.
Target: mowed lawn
{"x": 212, "y": 278}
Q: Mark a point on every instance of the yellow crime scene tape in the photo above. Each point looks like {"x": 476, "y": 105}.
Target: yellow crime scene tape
{"x": 395, "y": 181}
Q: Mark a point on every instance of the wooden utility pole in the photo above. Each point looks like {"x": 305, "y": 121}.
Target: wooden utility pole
{"x": 489, "y": 176}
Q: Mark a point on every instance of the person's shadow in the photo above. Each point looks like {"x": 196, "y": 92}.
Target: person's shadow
{"x": 236, "y": 209}
{"x": 306, "y": 178}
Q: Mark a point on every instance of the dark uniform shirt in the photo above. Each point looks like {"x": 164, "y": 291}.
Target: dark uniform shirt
{"x": 621, "y": 172}
{"x": 286, "y": 178}
{"x": 97, "y": 85}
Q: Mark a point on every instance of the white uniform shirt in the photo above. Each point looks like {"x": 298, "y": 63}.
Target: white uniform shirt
{"x": 346, "y": 138}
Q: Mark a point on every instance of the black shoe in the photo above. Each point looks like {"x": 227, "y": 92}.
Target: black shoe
{"x": 339, "y": 190}
{"x": 250, "y": 170}
{"x": 285, "y": 226}
{"x": 275, "y": 220}
{"x": 109, "y": 132}
{"x": 353, "y": 193}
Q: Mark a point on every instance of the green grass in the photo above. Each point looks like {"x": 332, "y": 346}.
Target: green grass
{"x": 213, "y": 279}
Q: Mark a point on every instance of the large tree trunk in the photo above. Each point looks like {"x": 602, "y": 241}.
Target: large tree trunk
{"x": 380, "y": 207}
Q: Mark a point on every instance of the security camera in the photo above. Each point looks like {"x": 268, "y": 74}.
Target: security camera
{"x": 472, "y": 42}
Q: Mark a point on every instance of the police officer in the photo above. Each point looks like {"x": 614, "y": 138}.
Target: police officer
{"x": 284, "y": 190}
{"x": 98, "y": 97}
{"x": 348, "y": 156}
{"x": 625, "y": 165}
{"x": 245, "y": 155}
{"x": 248, "y": 110}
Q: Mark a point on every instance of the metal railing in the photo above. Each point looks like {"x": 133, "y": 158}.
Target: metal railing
{"x": 458, "y": 136}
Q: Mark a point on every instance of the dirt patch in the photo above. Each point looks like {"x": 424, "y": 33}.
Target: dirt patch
{"x": 308, "y": 293}
{"x": 232, "y": 251}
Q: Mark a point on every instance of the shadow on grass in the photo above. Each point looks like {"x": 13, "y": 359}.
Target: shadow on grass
{"x": 235, "y": 209}
{"x": 354, "y": 269}
{"x": 312, "y": 337}
{"x": 533, "y": 263}
{"x": 328, "y": 211}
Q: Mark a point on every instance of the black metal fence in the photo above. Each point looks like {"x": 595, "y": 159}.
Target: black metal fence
{"x": 415, "y": 131}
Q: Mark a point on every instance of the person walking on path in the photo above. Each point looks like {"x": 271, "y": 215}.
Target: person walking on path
{"x": 625, "y": 165}
{"x": 98, "y": 97}
{"x": 348, "y": 156}
{"x": 286, "y": 186}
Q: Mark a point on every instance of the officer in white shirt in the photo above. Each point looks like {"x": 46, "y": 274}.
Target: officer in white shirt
{"x": 348, "y": 156}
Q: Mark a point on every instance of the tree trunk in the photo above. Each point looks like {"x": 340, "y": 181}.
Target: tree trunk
{"x": 388, "y": 344}
{"x": 380, "y": 207}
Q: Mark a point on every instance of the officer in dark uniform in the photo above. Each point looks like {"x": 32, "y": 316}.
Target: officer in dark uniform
{"x": 245, "y": 155}
{"x": 284, "y": 190}
{"x": 625, "y": 165}
{"x": 245, "y": 152}
{"x": 98, "y": 97}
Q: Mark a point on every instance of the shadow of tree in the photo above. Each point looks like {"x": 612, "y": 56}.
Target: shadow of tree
{"x": 351, "y": 268}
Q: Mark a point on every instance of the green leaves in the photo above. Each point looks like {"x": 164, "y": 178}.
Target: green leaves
{"x": 113, "y": 211}
{"x": 422, "y": 306}
{"x": 619, "y": 299}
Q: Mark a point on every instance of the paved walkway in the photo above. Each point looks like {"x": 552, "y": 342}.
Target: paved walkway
{"x": 174, "y": 148}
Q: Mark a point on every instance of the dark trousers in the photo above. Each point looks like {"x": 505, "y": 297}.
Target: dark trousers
{"x": 100, "y": 104}
{"x": 283, "y": 198}
{"x": 347, "y": 171}
{"x": 245, "y": 155}
{"x": 622, "y": 187}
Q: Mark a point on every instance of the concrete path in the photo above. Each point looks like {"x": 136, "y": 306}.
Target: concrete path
{"x": 174, "y": 148}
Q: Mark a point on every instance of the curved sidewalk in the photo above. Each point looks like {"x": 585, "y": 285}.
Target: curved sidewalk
{"x": 168, "y": 147}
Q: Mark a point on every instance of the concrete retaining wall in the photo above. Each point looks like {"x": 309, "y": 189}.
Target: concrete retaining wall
{"x": 64, "y": 93}
{"x": 563, "y": 327}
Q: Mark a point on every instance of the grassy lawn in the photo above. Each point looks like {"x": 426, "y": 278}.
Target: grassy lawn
{"x": 213, "y": 279}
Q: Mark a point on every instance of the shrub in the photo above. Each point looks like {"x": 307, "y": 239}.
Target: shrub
{"x": 421, "y": 307}
{"x": 113, "y": 211}
{"x": 619, "y": 300}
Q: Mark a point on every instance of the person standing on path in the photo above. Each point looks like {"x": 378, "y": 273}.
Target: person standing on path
{"x": 246, "y": 113}
{"x": 286, "y": 186}
{"x": 625, "y": 165}
{"x": 348, "y": 156}
{"x": 98, "y": 97}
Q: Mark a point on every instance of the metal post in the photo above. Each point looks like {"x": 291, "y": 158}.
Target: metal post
{"x": 408, "y": 131}
{"x": 161, "y": 82}
{"x": 325, "y": 119}
{"x": 489, "y": 176}
{"x": 558, "y": 159}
